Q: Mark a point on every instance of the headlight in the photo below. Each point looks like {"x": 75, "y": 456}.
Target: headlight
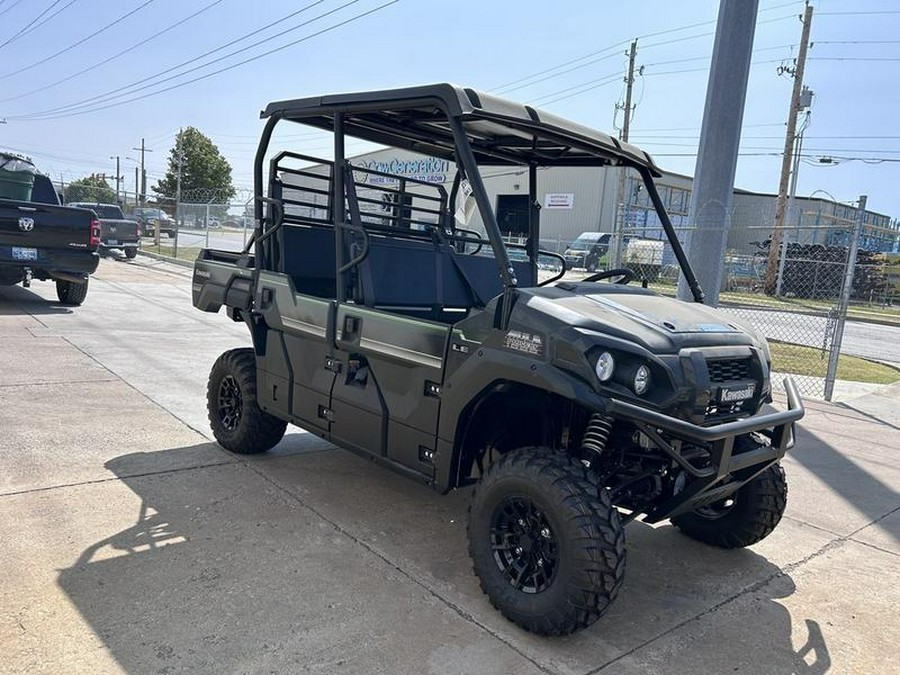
{"x": 606, "y": 364}
{"x": 641, "y": 381}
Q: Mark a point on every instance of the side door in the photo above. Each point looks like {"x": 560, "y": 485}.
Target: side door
{"x": 296, "y": 374}
{"x": 386, "y": 397}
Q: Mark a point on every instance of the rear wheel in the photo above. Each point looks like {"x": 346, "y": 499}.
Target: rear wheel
{"x": 548, "y": 549}
{"x": 237, "y": 421}
{"x": 130, "y": 253}
{"x": 746, "y": 517}
{"x": 70, "y": 292}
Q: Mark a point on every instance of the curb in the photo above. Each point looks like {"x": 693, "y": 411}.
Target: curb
{"x": 165, "y": 258}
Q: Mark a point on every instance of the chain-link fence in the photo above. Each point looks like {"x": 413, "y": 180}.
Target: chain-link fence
{"x": 829, "y": 318}
{"x": 181, "y": 230}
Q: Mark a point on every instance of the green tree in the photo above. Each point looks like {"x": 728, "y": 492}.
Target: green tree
{"x": 205, "y": 173}
{"x": 93, "y": 188}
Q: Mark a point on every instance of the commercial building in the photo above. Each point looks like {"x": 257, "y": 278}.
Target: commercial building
{"x": 584, "y": 199}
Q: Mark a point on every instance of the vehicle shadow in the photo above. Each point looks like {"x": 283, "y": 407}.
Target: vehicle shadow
{"x": 846, "y": 477}
{"x": 319, "y": 560}
{"x": 19, "y": 300}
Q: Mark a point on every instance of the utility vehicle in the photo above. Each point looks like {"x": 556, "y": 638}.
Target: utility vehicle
{"x": 380, "y": 322}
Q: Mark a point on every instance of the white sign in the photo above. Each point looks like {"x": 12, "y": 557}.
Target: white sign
{"x": 559, "y": 200}
{"x": 467, "y": 208}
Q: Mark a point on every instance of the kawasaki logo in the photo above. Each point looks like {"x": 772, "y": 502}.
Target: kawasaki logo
{"x": 731, "y": 394}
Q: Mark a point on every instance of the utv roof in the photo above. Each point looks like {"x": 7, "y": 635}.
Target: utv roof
{"x": 500, "y": 132}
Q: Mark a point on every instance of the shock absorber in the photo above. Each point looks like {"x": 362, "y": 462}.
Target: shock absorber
{"x": 597, "y": 433}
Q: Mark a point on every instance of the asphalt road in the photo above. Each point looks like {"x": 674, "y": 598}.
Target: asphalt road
{"x": 228, "y": 240}
{"x": 131, "y": 543}
{"x": 868, "y": 340}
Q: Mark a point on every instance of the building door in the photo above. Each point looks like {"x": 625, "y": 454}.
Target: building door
{"x": 512, "y": 215}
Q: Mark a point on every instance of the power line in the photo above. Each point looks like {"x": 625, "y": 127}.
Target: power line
{"x": 31, "y": 23}
{"x": 113, "y": 94}
{"x": 506, "y": 90}
{"x": 854, "y": 58}
{"x": 79, "y": 42}
{"x": 858, "y": 13}
{"x": 551, "y": 72}
{"x": 857, "y": 42}
{"x": 114, "y": 56}
{"x": 15, "y": 2}
{"x": 610, "y": 80}
{"x": 226, "y": 68}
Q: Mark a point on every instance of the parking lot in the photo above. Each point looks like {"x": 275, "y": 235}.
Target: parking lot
{"x": 132, "y": 543}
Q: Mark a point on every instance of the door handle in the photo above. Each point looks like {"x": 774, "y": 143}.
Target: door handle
{"x": 266, "y": 298}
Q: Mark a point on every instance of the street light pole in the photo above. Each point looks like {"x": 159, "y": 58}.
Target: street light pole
{"x": 118, "y": 182}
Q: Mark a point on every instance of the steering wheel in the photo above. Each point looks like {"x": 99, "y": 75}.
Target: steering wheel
{"x": 625, "y": 274}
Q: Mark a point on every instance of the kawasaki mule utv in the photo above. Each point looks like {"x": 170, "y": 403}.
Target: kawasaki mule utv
{"x": 388, "y": 316}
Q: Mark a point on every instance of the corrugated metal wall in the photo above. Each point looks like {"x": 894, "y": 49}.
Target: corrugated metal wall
{"x": 593, "y": 202}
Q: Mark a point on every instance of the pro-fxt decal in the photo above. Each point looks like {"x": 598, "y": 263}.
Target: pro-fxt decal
{"x": 528, "y": 343}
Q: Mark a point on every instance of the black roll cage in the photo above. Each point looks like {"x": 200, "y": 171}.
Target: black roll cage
{"x": 406, "y": 118}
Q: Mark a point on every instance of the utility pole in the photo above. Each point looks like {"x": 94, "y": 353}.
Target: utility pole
{"x": 143, "y": 196}
{"x": 143, "y": 188}
{"x": 615, "y": 256}
{"x": 629, "y": 85}
{"x": 789, "y": 139}
{"x": 118, "y": 182}
{"x": 137, "y": 187}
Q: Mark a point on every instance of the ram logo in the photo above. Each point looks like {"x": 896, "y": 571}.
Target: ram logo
{"x": 26, "y": 224}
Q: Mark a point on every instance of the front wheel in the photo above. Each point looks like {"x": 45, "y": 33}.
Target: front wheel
{"x": 742, "y": 519}
{"x": 547, "y": 547}
{"x": 70, "y": 292}
{"x": 237, "y": 421}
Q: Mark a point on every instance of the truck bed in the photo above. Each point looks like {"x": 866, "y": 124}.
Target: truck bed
{"x": 222, "y": 278}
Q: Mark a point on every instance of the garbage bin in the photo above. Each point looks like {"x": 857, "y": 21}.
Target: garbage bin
{"x": 16, "y": 177}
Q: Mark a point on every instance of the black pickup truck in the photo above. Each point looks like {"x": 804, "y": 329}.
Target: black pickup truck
{"x": 116, "y": 231}
{"x": 39, "y": 239}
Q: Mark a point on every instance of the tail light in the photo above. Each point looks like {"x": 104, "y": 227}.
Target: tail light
{"x": 95, "y": 233}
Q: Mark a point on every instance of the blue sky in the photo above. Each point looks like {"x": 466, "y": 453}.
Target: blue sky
{"x": 512, "y": 47}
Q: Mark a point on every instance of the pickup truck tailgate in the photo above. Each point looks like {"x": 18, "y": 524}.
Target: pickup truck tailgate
{"x": 44, "y": 226}
{"x": 118, "y": 230}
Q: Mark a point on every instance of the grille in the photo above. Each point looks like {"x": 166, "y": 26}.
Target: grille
{"x": 726, "y": 370}
{"x": 715, "y": 411}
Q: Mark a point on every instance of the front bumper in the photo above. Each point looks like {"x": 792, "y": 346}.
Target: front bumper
{"x": 727, "y": 470}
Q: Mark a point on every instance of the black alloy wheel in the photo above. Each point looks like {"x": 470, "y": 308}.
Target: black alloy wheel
{"x": 231, "y": 403}
{"x": 525, "y": 548}
{"x": 547, "y": 546}
{"x": 238, "y": 422}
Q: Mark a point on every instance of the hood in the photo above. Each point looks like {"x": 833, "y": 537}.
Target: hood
{"x": 658, "y": 323}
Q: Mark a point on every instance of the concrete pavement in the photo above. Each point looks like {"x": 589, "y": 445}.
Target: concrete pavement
{"x": 130, "y": 543}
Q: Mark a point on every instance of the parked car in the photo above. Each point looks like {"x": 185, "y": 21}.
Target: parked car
{"x": 151, "y": 218}
{"x": 591, "y": 250}
{"x": 587, "y": 250}
{"x": 116, "y": 232}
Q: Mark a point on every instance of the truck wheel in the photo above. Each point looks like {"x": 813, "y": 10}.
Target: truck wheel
{"x": 237, "y": 422}
{"x": 743, "y": 519}
{"x": 548, "y": 549}
{"x": 71, "y": 293}
{"x": 130, "y": 253}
